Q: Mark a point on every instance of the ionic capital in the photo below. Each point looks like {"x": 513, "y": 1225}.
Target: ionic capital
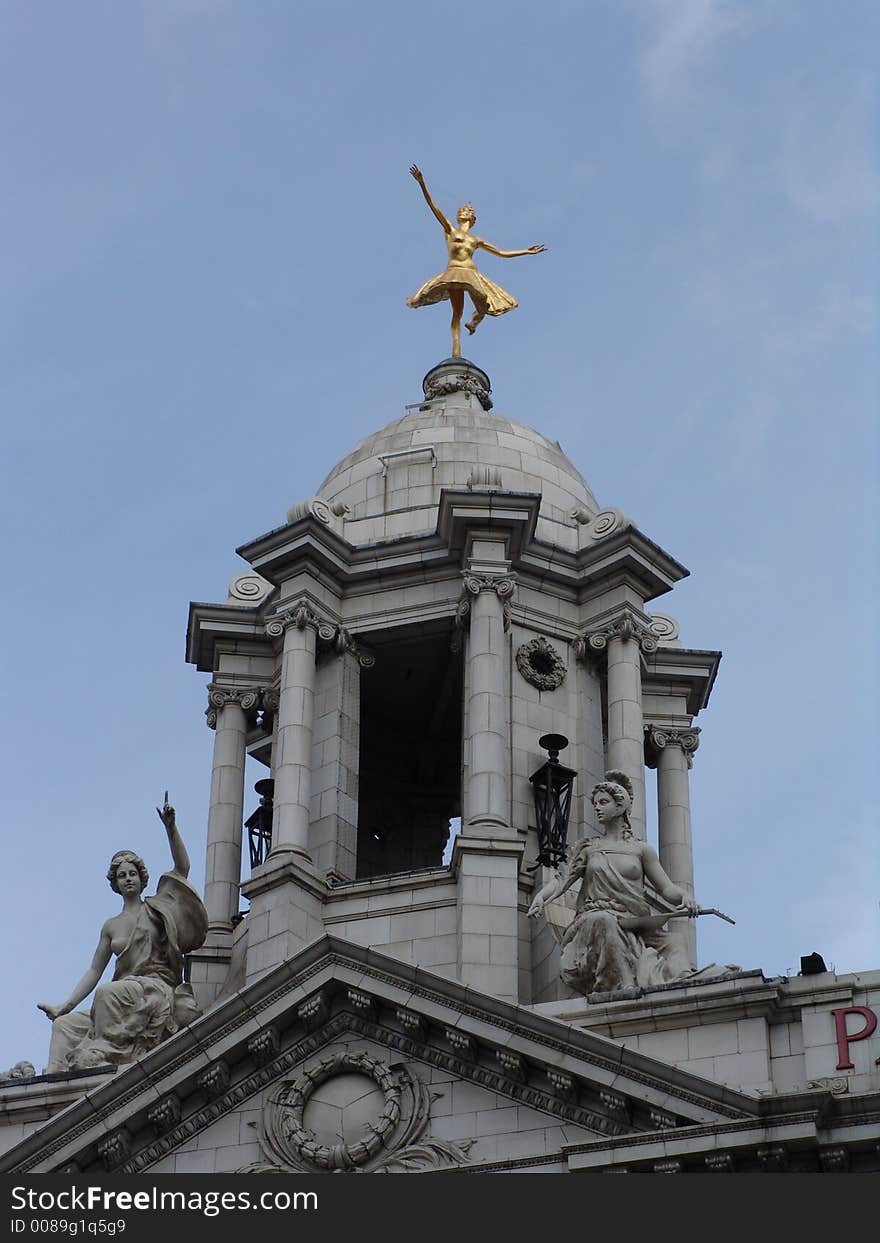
{"x": 330, "y": 637}
{"x": 625, "y": 627}
{"x": 343, "y": 641}
{"x": 659, "y": 737}
{"x": 300, "y": 615}
{"x": 461, "y": 622}
{"x": 504, "y": 585}
{"x": 248, "y": 698}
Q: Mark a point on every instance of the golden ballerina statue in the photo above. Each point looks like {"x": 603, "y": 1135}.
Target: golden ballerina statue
{"x": 461, "y": 276}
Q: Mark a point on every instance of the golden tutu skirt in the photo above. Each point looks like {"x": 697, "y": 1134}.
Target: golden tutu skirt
{"x": 487, "y": 297}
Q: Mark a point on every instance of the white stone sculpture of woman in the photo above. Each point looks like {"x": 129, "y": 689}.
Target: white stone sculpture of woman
{"x": 146, "y": 1000}
{"x": 613, "y": 941}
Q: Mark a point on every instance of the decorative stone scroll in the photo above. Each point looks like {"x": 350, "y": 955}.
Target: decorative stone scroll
{"x": 600, "y": 525}
{"x": 664, "y": 627}
{"x": 540, "y": 664}
{"x": 317, "y": 507}
{"x": 249, "y": 588}
{"x": 624, "y": 627}
{"x": 330, "y": 636}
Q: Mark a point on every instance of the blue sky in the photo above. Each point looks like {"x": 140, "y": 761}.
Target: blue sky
{"x": 208, "y": 235}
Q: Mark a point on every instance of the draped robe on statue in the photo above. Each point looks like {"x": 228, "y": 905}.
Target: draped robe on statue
{"x": 146, "y": 1000}
{"x": 598, "y": 955}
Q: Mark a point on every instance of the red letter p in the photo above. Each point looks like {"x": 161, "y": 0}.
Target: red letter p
{"x": 845, "y": 1038}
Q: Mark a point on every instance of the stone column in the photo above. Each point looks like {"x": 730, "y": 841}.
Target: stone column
{"x": 672, "y": 751}
{"x": 227, "y": 715}
{"x": 488, "y": 853}
{"x": 292, "y": 755}
{"x": 624, "y": 642}
{"x": 488, "y": 790}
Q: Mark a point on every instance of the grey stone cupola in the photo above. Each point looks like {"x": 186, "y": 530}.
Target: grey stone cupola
{"x": 451, "y": 593}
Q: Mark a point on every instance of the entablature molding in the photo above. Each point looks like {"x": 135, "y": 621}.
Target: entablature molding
{"x": 692, "y": 669}
{"x": 279, "y": 553}
{"x": 460, "y": 514}
{"x": 209, "y": 625}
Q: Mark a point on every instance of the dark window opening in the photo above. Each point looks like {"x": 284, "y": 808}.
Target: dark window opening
{"x": 410, "y": 755}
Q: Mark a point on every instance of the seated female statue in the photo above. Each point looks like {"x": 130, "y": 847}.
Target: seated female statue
{"x": 146, "y": 1000}
{"x": 616, "y": 938}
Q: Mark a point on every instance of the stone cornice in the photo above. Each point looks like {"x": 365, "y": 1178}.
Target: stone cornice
{"x": 279, "y": 553}
{"x": 208, "y": 623}
{"x": 692, "y": 668}
{"x": 308, "y": 546}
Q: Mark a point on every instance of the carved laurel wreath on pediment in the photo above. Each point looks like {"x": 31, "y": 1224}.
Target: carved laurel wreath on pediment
{"x": 394, "y": 1142}
{"x": 540, "y": 664}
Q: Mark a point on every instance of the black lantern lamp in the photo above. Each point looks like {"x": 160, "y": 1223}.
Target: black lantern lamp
{"x": 259, "y": 823}
{"x": 552, "y": 786}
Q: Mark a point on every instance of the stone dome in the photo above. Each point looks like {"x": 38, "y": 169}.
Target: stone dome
{"x": 391, "y": 481}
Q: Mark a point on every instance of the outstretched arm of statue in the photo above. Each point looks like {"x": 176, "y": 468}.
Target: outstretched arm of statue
{"x": 509, "y": 254}
{"x": 99, "y": 962}
{"x": 416, "y": 172}
{"x": 175, "y": 841}
{"x": 564, "y": 879}
{"x": 671, "y": 893}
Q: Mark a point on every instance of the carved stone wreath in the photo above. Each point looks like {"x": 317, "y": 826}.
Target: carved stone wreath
{"x": 540, "y": 664}
{"x": 393, "y": 1143}
{"x": 341, "y": 1156}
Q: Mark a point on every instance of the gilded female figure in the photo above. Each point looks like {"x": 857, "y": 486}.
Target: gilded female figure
{"x": 461, "y": 276}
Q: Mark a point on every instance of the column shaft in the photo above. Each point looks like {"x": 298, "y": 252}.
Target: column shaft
{"x": 488, "y": 793}
{"x": 292, "y": 760}
{"x": 674, "y": 816}
{"x": 225, "y": 815}
{"x": 625, "y": 748}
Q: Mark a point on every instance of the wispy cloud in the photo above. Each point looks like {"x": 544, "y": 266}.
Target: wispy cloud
{"x": 685, "y": 34}
{"x": 829, "y": 164}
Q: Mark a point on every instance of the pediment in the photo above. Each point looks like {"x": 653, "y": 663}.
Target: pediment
{"x": 430, "y": 1048}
